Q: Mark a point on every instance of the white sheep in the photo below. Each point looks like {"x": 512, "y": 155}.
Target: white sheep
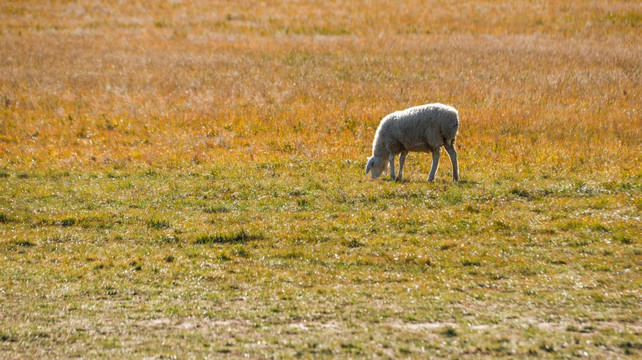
{"x": 424, "y": 128}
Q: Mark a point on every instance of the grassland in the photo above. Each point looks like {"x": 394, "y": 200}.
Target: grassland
{"x": 185, "y": 179}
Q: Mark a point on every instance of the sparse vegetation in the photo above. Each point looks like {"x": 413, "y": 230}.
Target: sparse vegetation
{"x": 186, "y": 179}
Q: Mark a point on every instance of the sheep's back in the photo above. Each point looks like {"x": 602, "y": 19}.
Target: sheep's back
{"x": 432, "y": 124}
{"x": 420, "y": 128}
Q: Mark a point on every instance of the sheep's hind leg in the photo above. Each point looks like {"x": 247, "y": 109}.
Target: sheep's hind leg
{"x": 435, "y": 164}
{"x": 452, "y": 153}
{"x": 391, "y": 158}
{"x": 402, "y": 160}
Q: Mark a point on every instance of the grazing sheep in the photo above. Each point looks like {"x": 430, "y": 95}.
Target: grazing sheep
{"x": 424, "y": 128}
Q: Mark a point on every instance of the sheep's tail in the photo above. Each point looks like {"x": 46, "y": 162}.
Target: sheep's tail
{"x": 451, "y": 133}
{"x": 456, "y": 119}
{"x": 456, "y": 129}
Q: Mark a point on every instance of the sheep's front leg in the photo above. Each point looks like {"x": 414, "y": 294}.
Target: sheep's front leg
{"x": 435, "y": 164}
{"x": 391, "y": 158}
{"x": 402, "y": 159}
{"x": 452, "y": 153}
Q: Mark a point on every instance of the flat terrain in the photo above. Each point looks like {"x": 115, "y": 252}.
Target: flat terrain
{"x": 186, "y": 179}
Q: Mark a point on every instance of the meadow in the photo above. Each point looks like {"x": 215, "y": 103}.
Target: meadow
{"x": 185, "y": 179}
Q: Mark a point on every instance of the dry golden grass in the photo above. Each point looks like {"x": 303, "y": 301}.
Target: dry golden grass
{"x": 185, "y": 178}
{"x": 179, "y": 81}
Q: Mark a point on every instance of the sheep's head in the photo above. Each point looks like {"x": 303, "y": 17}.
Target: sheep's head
{"x": 376, "y": 166}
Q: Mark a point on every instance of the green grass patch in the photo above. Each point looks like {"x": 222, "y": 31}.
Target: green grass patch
{"x": 238, "y": 237}
{"x": 158, "y": 224}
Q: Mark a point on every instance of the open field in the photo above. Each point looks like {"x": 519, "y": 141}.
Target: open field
{"x": 186, "y": 179}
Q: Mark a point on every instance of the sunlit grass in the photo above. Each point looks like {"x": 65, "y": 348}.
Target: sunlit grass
{"x": 186, "y": 179}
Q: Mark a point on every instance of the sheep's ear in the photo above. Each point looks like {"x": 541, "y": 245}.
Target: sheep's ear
{"x": 369, "y": 165}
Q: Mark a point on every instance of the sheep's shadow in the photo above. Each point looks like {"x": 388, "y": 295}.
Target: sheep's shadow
{"x": 396, "y": 180}
{"x": 467, "y": 182}
{"x": 461, "y": 183}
